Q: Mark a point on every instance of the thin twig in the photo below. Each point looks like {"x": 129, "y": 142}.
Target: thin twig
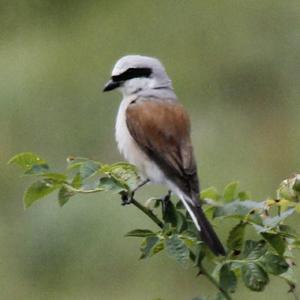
{"x": 148, "y": 212}
{"x": 204, "y": 272}
{"x": 159, "y": 223}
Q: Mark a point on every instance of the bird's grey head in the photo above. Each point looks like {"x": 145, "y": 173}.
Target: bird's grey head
{"x": 136, "y": 74}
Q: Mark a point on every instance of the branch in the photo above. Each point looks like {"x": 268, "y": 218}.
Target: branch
{"x": 147, "y": 212}
{"x": 204, "y": 272}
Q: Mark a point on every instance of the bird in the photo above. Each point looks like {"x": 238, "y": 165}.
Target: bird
{"x": 153, "y": 133}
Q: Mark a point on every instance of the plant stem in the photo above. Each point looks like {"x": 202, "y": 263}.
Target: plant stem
{"x": 148, "y": 212}
{"x": 204, "y": 272}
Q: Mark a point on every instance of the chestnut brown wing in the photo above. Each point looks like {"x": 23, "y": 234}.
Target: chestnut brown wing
{"x": 161, "y": 128}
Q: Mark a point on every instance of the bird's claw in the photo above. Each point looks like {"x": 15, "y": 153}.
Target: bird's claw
{"x": 127, "y": 198}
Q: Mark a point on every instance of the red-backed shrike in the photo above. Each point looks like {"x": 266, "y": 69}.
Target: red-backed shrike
{"x": 153, "y": 133}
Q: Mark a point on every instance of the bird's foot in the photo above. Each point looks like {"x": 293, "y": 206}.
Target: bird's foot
{"x": 127, "y": 198}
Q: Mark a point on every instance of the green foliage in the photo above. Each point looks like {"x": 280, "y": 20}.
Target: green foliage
{"x": 252, "y": 258}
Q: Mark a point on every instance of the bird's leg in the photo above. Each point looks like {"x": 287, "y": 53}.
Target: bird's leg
{"x": 165, "y": 201}
{"x": 127, "y": 197}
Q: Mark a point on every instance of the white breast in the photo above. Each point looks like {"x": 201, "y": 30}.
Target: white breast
{"x": 131, "y": 151}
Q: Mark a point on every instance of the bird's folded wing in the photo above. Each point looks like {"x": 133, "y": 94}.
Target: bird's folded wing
{"x": 161, "y": 128}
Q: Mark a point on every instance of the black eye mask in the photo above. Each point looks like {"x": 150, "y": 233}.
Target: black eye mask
{"x": 132, "y": 73}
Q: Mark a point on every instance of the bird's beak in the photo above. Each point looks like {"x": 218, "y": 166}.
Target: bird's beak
{"x": 111, "y": 85}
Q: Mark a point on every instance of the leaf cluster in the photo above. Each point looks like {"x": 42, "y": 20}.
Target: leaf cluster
{"x": 259, "y": 245}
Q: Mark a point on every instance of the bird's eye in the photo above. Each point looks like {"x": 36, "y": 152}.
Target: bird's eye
{"x": 132, "y": 73}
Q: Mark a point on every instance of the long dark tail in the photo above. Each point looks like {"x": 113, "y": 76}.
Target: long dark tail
{"x": 207, "y": 233}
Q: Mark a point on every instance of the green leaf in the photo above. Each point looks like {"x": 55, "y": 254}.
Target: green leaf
{"x": 111, "y": 184}
{"x": 219, "y": 296}
{"x": 75, "y": 162}
{"x": 289, "y": 276}
{"x": 254, "y": 249}
{"x": 199, "y": 256}
{"x": 254, "y": 276}
{"x": 140, "y": 233}
{"x": 227, "y": 278}
{"x": 244, "y": 196}
{"x": 181, "y": 222}
{"x": 238, "y": 209}
{"x": 274, "y": 264}
{"x": 77, "y": 181}
{"x": 169, "y": 213}
{"x": 276, "y": 241}
{"x": 273, "y": 222}
{"x": 296, "y": 186}
{"x": 230, "y": 191}
{"x": 148, "y": 246}
{"x": 210, "y": 193}
{"x": 37, "y": 169}
{"x": 177, "y": 249}
{"x": 236, "y": 237}
{"x": 64, "y": 194}
{"x": 89, "y": 168}
{"x": 124, "y": 173}
{"x": 55, "y": 177}
{"x": 287, "y": 231}
{"x": 38, "y": 190}
{"x": 30, "y": 163}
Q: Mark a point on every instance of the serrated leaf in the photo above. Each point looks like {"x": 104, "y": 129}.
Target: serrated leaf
{"x": 88, "y": 168}
{"x": 177, "y": 249}
{"x": 148, "y": 245}
{"x": 140, "y": 233}
{"x": 227, "y": 279}
{"x": 110, "y": 184}
{"x": 238, "y": 209}
{"x": 38, "y": 190}
{"x": 254, "y": 249}
{"x": 230, "y": 191}
{"x": 124, "y": 173}
{"x": 254, "y": 276}
{"x": 274, "y": 221}
{"x": 276, "y": 241}
{"x": 236, "y": 237}
{"x": 64, "y": 194}
{"x": 274, "y": 264}
{"x": 55, "y": 177}
{"x": 210, "y": 193}
{"x": 30, "y": 163}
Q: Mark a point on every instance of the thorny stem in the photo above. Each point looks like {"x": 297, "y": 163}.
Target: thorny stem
{"x": 159, "y": 223}
{"x": 202, "y": 270}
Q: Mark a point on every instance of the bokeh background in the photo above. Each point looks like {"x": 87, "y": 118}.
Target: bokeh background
{"x": 234, "y": 64}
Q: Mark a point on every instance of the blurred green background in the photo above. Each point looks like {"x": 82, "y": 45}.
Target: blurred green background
{"x": 234, "y": 64}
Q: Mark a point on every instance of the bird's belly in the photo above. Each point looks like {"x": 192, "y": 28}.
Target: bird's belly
{"x": 133, "y": 154}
